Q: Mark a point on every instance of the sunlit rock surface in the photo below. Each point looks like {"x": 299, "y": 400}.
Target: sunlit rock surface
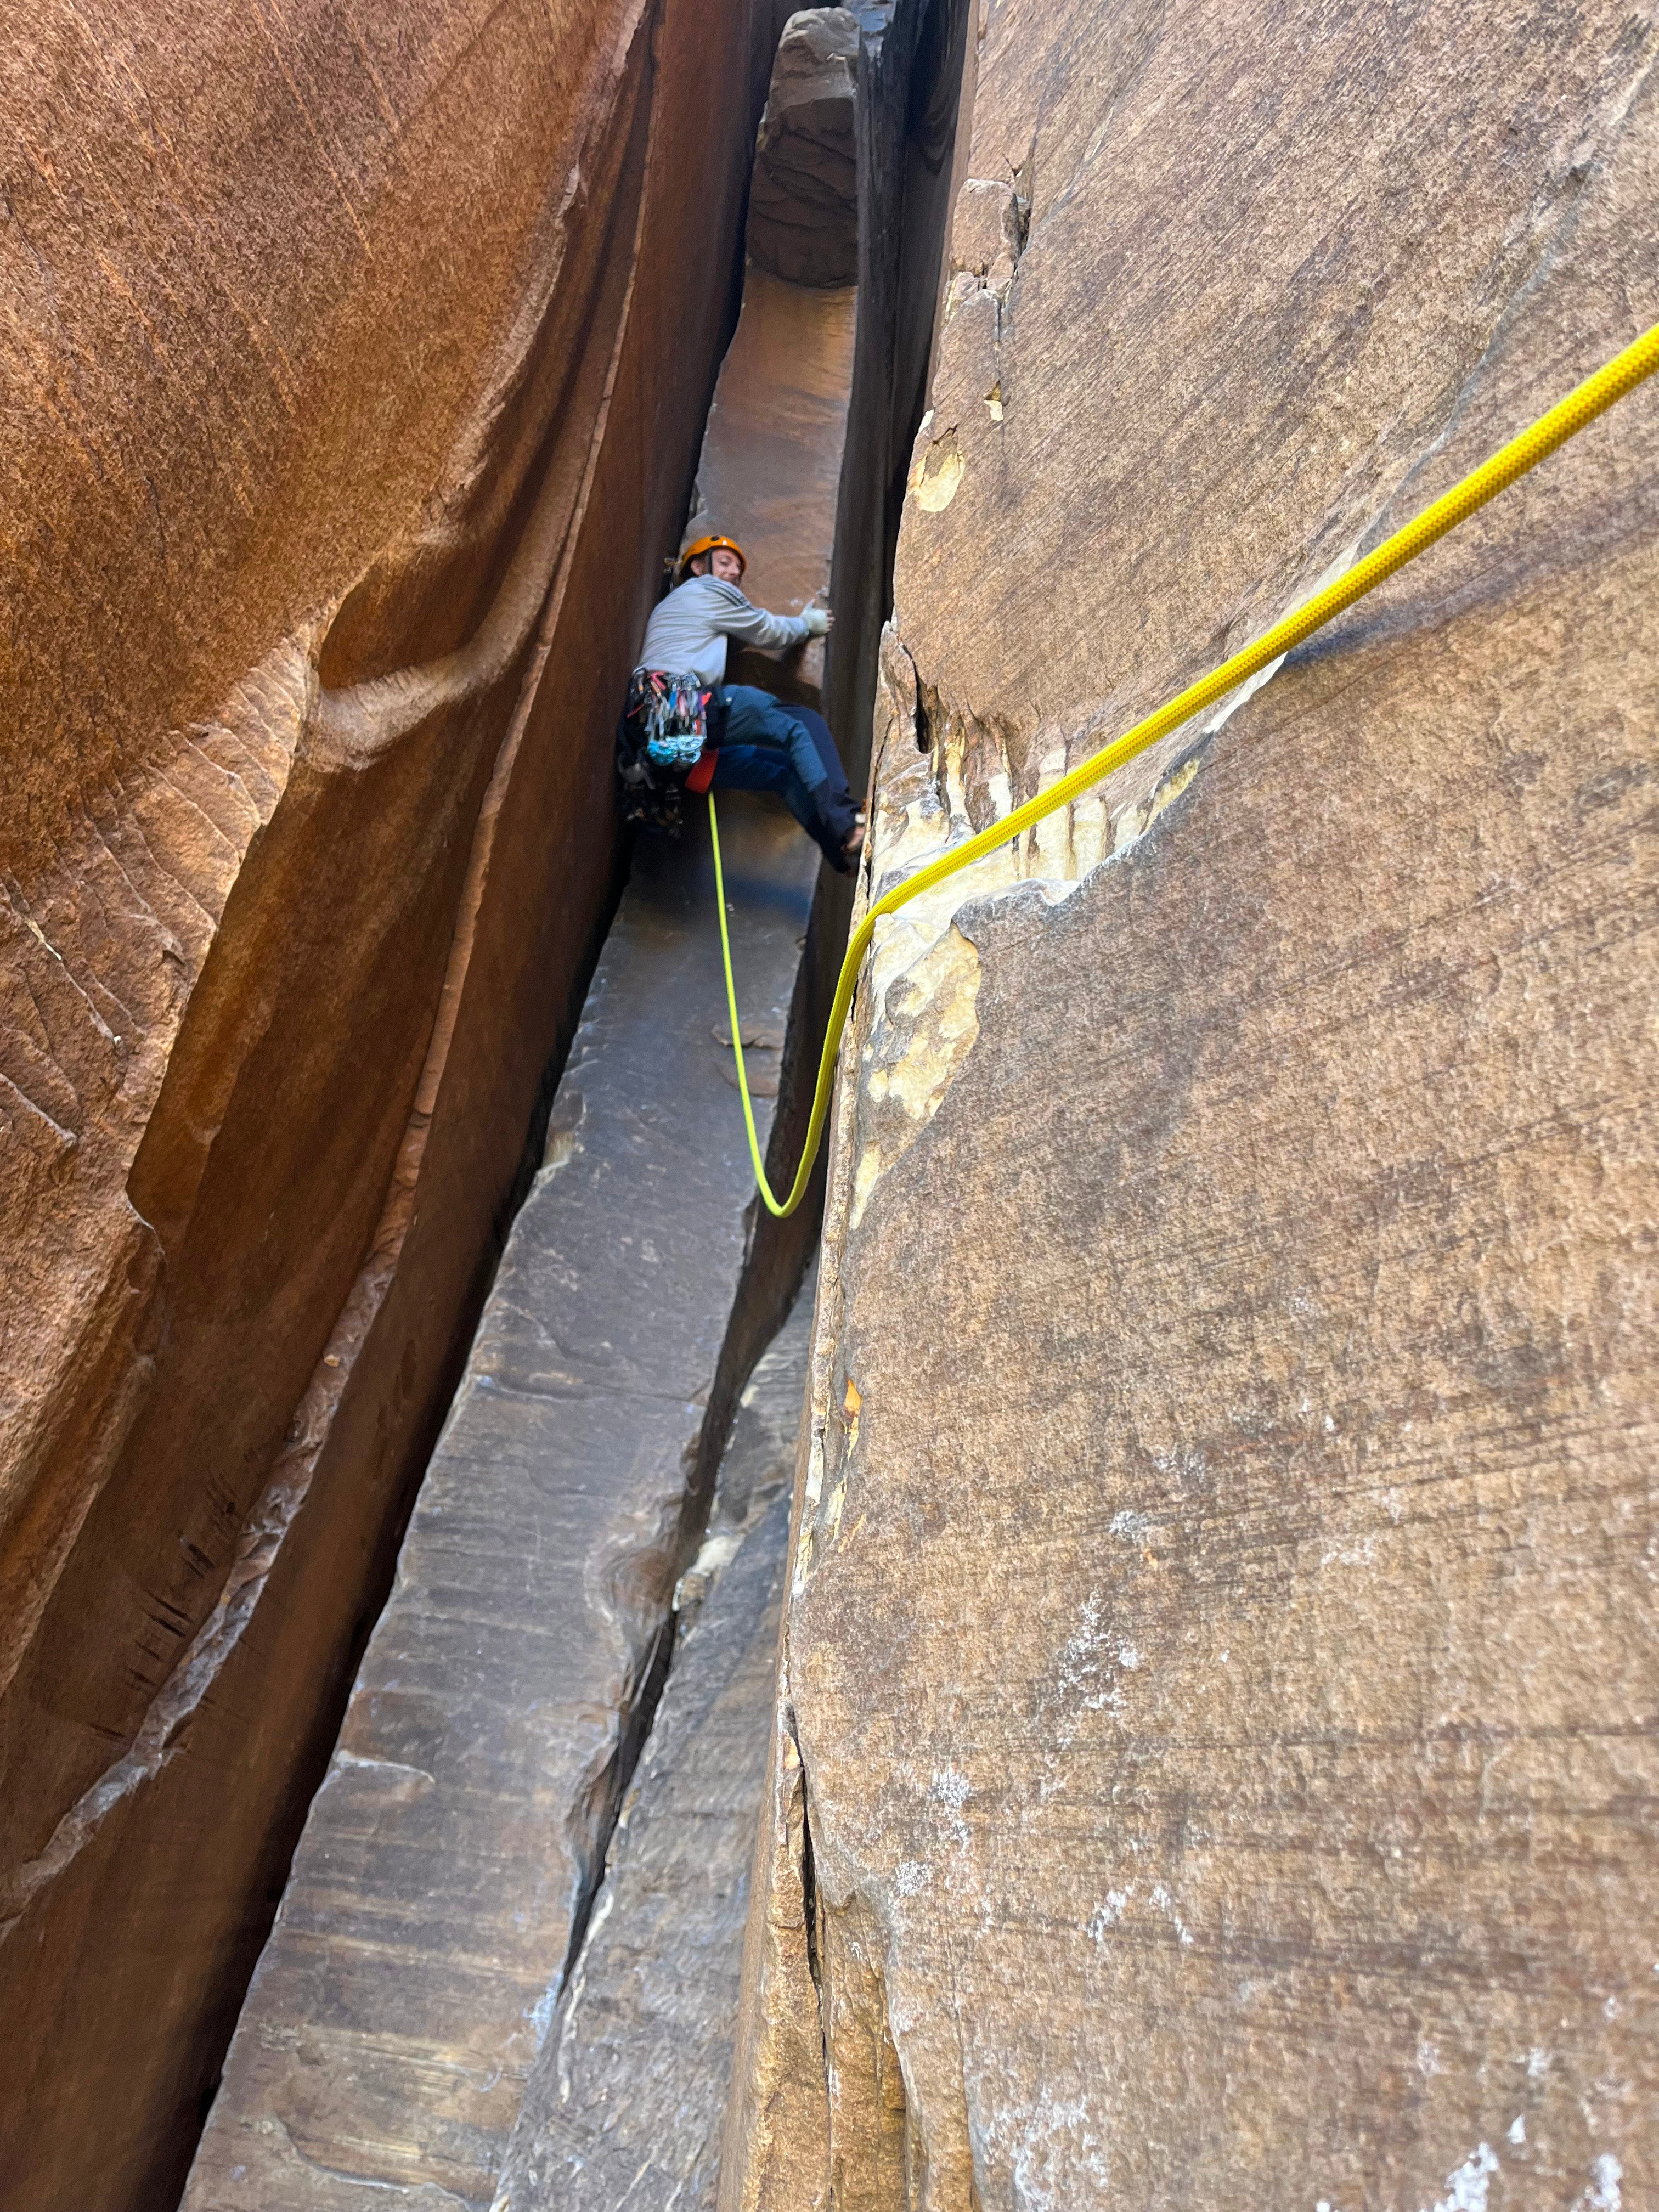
{"x": 1213, "y": 1758}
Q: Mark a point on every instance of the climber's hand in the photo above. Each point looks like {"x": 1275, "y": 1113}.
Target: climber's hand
{"x": 819, "y": 621}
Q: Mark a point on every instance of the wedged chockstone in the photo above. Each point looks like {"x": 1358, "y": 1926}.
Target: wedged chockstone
{"x": 802, "y": 203}
{"x": 417, "y": 1958}
{"x": 627, "y": 2100}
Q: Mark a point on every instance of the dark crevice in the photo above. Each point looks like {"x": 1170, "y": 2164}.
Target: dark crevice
{"x": 755, "y": 1321}
{"x": 809, "y": 1880}
{"x": 637, "y": 1721}
{"x": 910, "y": 86}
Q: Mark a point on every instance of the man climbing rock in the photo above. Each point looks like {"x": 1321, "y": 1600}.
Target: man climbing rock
{"x": 687, "y": 728}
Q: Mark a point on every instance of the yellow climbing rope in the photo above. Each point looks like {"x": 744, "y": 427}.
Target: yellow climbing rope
{"x": 1592, "y": 397}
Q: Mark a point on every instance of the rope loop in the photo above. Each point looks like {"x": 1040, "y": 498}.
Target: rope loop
{"x": 1564, "y": 420}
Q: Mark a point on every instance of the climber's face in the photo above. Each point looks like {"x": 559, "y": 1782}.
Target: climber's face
{"x": 725, "y": 565}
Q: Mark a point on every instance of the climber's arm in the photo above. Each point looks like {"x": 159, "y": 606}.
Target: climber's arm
{"x": 752, "y": 625}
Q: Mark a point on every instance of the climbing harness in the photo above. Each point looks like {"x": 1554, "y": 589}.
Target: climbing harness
{"x": 1568, "y": 416}
{"x": 661, "y": 741}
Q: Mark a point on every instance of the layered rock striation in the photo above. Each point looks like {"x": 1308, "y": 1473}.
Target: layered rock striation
{"x": 804, "y": 193}
{"x": 1212, "y": 1752}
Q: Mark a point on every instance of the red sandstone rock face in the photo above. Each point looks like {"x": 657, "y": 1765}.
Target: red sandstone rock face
{"x": 350, "y": 369}
{"x": 1212, "y": 1762}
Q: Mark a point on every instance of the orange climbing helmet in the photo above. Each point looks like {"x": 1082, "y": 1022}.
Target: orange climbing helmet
{"x": 701, "y": 545}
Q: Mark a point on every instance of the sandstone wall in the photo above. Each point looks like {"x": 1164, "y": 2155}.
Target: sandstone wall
{"x": 909, "y": 80}
{"x": 627, "y": 2098}
{"x": 426, "y": 1947}
{"x": 450, "y": 1857}
{"x": 1213, "y": 1760}
{"x": 353, "y": 365}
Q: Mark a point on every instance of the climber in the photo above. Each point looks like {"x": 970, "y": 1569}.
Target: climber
{"x": 686, "y": 728}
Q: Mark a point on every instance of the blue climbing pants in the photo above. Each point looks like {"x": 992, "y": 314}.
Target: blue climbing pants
{"x": 761, "y": 744}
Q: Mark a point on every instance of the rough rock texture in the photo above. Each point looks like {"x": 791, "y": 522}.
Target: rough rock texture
{"x": 1214, "y": 1760}
{"x": 393, "y": 2016}
{"x": 909, "y": 75}
{"x": 350, "y": 370}
{"x": 803, "y": 199}
{"x": 626, "y": 2102}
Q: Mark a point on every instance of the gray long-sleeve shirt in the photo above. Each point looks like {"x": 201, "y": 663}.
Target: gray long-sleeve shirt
{"x": 687, "y": 632}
